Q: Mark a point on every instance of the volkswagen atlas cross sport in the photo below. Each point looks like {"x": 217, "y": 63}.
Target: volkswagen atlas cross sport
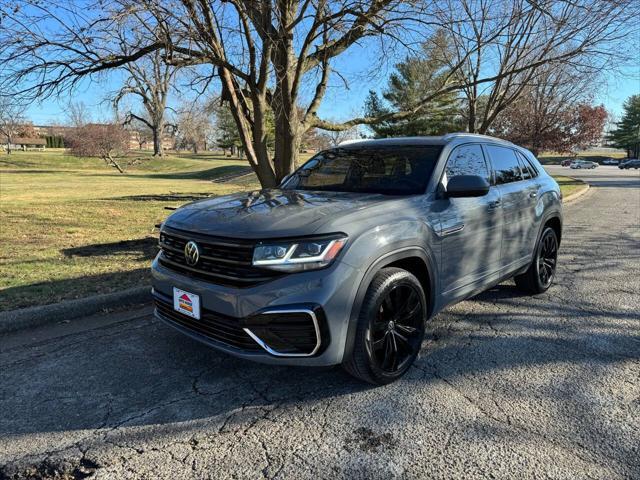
{"x": 345, "y": 261}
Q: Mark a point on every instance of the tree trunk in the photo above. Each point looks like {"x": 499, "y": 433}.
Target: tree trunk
{"x": 110, "y": 160}
{"x": 157, "y": 141}
{"x": 256, "y": 155}
{"x": 285, "y": 108}
{"x": 286, "y": 145}
{"x": 471, "y": 125}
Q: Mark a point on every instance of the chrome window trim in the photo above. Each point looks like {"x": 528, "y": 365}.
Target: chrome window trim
{"x": 275, "y": 353}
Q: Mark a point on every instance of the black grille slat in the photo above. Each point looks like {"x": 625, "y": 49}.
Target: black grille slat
{"x": 223, "y": 261}
{"x": 218, "y": 332}
{"x": 211, "y": 326}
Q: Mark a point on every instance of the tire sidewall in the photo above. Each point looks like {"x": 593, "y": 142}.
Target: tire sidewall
{"x": 369, "y": 311}
{"x": 536, "y": 267}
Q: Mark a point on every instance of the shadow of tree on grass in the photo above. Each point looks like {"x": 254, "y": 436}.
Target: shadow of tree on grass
{"x": 141, "y": 248}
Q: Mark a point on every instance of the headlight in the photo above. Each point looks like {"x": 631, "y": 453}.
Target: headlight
{"x": 298, "y": 255}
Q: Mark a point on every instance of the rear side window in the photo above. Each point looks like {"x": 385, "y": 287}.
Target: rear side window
{"x": 505, "y": 164}
{"x": 527, "y": 166}
{"x": 526, "y": 173}
{"x": 467, "y": 160}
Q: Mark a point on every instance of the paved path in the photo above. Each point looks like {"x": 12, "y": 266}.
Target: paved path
{"x": 506, "y": 386}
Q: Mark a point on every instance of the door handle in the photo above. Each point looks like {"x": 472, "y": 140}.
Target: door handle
{"x": 495, "y": 204}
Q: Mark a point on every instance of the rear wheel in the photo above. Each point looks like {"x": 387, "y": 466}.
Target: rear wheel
{"x": 539, "y": 277}
{"x": 390, "y": 327}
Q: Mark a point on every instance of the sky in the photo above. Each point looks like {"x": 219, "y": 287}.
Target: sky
{"x": 363, "y": 71}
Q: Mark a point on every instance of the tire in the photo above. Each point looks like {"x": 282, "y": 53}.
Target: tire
{"x": 377, "y": 334}
{"x": 540, "y": 274}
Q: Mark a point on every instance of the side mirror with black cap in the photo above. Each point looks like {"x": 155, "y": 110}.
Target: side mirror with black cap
{"x": 467, "y": 186}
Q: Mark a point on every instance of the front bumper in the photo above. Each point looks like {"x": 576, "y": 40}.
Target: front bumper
{"x": 329, "y": 293}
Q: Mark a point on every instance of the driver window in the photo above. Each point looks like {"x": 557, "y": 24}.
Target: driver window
{"x": 467, "y": 160}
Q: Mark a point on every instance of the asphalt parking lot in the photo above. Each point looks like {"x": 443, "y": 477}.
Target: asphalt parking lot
{"x": 506, "y": 386}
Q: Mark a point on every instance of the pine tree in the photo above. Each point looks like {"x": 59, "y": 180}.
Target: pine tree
{"x": 627, "y": 132}
{"x": 413, "y": 80}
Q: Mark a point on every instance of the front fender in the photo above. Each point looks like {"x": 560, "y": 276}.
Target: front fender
{"x": 410, "y": 239}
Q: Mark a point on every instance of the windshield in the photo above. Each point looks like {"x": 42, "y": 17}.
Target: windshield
{"x": 392, "y": 170}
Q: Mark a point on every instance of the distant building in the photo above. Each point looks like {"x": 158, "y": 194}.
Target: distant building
{"x": 52, "y": 130}
{"x": 144, "y": 141}
{"x": 23, "y": 143}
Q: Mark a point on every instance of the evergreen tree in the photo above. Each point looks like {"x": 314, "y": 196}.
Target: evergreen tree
{"x": 227, "y": 135}
{"x": 627, "y": 132}
{"x": 413, "y": 80}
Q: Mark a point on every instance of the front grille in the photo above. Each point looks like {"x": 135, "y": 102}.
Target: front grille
{"x": 211, "y": 325}
{"x": 222, "y": 260}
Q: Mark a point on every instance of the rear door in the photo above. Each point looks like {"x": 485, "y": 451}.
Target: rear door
{"x": 515, "y": 207}
{"x": 470, "y": 228}
{"x": 532, "y": 188}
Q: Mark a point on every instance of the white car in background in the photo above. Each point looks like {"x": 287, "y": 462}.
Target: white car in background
{"x": 583, "y": 164}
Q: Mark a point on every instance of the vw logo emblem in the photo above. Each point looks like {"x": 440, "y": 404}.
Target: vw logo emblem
{"x": 191, "y": 253}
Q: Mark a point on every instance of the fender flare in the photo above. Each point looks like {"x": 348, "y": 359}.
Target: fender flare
{"x": 380, "y": 263}
{"x": 545, "y": 218}
{"x": 543, "y": 221}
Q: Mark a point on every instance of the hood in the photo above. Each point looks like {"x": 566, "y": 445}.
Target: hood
{"x": 268, "y": 213}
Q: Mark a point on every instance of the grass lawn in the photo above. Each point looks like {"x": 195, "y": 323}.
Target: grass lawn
{"x": 72, "y": 227}
{"x": 569, "y": 185}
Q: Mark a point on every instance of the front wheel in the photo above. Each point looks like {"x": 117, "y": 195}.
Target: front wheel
{"x": 390, "y": 327}
{"x": 541, "y": 272}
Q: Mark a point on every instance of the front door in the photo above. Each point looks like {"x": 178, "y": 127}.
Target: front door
{"x": 470, "y": 228}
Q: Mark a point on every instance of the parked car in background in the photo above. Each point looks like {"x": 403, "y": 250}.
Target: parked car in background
{"x": 632, "y": 163}
{"x": 345, "y": 261}
{"x": 566, "y": 163}
{"x": 583, "y": 164}
{"x": 610, "y": 161}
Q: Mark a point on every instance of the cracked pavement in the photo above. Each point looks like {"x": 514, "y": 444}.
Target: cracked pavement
{"x": 505, "y": 386}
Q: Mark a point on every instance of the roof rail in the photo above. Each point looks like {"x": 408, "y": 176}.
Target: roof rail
{"x": 352, "y": 140}
{"x": 449, "y": 136}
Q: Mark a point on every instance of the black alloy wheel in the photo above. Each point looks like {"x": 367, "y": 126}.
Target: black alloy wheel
{"x": 547, "y": 258}
{"x": 396, "y": 331}
{"x": 390, "y": 328}
{"x": 540, "y": 274}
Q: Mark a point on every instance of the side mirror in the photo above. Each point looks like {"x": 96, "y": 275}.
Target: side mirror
{"x": 467, "y": 186}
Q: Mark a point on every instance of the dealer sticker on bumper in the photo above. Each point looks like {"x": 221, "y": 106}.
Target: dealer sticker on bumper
{"x": 186, "y": 303}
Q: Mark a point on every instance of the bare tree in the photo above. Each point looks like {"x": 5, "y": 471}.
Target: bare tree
{"x": 336, "y": 137}
{"x": 194, "y": 126}
{"x": 554, "y": 113}
{"x": 264, "y": 53}
{"x": 515, "y": 40}
{"x": 77, "y": 114}
{"x": 150, "y": 79}
{"x": 267, "y": 53}
{"x": 499, "y": 46}
{"x": 109, "y": 142}
{"x": 12, "y": 119}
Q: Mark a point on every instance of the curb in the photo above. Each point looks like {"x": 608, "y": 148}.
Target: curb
{"x": 35, "y": 316}
{"x": 575, "y": 196}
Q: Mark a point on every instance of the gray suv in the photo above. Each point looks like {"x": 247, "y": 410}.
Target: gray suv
{"x": 346, "y": 261}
